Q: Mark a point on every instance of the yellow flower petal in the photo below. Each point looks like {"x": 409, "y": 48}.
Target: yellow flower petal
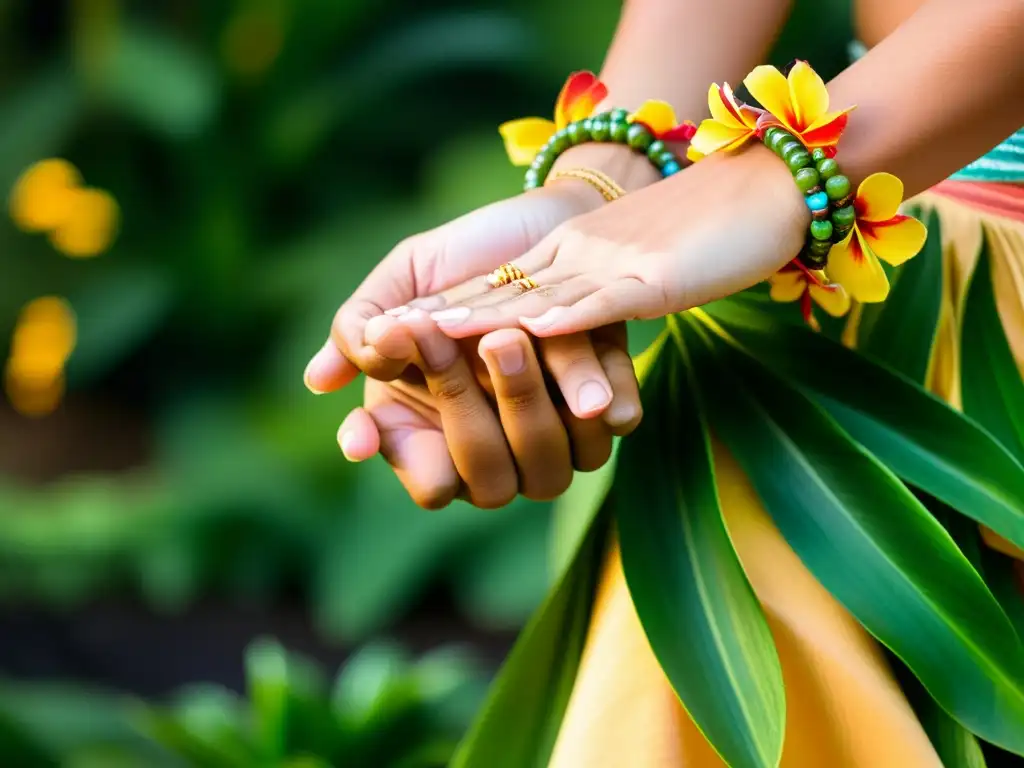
{"x": 90, "y": 226}
{"x": 34, "y": 397}
{"x": 524, "y": 138}
{"x": 712, "y": 136}
{"x": 694, "y": 155}
{"x": 808, "y": 94}
{"x": 44, "y": 336}
{"x": 853, "y": 266}
{"x": 656, "y": 115}
{"x": 833, "y": 299}
{"x": 40, "y": 199}
{"x": 722, "y": 110}
{"x": 787, "y": 286}
{"x": 771, "y": 89}
{"x": 879, "y": 197}
{"x": 896, "y": 240}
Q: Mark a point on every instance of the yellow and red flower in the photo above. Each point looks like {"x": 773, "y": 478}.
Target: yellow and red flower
{"x": 879, "y": 232}
{"x": 581, "y": 93}
{"x": 730, "y": 126}
{"x": 795, "y": 282}
{"x": 660, "y": 119}
{"x": 799, "y": 103}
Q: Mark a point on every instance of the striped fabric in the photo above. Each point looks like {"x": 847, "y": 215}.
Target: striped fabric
{"x": 1005, "y": 163}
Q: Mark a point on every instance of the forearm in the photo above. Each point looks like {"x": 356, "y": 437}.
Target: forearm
{"x": 672, "y": 50}
{"x": 940, "y": 91}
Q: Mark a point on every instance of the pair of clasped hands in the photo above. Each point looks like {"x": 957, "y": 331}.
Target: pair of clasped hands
{"x": 482, "y": 393}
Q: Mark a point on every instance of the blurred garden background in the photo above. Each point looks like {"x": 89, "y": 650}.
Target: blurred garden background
{"x": 180, "y": 537}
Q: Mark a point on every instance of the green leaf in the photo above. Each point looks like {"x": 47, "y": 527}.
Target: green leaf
{"x": 574, "y": 510}
{"x": 266, "y": 672}
{"x": 903, "y": 334}
{"x": 519, "y": 722}
{"x": 956, "y": 746}
{"x": 894, "y": 419}
{"x": 152, "y": 77}
{"x": 696, "y": 606}
{"x": 872, "y": 545}
{"x": 993, "y": 392}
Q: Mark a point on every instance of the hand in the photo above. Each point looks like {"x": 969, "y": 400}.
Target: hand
{"x": 444, "y": 439}
{"x": 467, "y": 247}
{"x": 722, "y": 226}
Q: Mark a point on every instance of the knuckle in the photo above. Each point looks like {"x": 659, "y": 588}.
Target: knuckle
{"x": 523, "y": 401}
{"x": 594, "y": 457}
{"x": 494, "y": 497}
{"x": 551, "y": 487}
{"x": 432, "y": 498}
{"x": 452, "y": 391}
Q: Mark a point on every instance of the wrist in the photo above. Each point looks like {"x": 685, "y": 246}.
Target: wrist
{"x": 629, "y": 169}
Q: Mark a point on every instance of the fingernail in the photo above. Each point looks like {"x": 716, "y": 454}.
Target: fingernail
{"x": 543, "y": 321}
{"x": 511, "y": 359}
{"x": 592, "y": 397}
{"x": 621, "y": 413}
{"x": 318, "y": 366}
{"x": 346, "y": 442}
{"x": 412, "y": 316}
{"x": 439, "y": 352}
{"x": 452, "y": 316}
{"x": 397, "y": 311}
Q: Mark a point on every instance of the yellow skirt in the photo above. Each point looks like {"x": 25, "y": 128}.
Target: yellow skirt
{"x": 844, "y": 707}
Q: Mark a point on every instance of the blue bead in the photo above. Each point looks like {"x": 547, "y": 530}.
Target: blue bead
{"x": 670, "y": 168}
{"x": 817, "y": 202}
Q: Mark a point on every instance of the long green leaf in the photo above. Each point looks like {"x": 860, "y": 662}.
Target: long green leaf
{"x": 873, "y": 546}
{"x": 903, "y": 334}
{"x": 914, "y": 433}
{"x": 698, "y": 611}
{"x": 518, "y": 725}
{"x": 956, "y": 746}
{"x": 993, "y": 392}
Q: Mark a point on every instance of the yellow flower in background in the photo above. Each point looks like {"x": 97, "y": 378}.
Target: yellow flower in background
{"x": 799, "y": 103}
{"x": 879, "y": 232}
{"x": 730, "y": 126}
{"x": 43, "y": 340}
{"x": 42, "y": 197}
{"x": 92, "y": 226}
{"x": 49, "y": 197}
{"x": 794, "y": 282}
{"x": 524, "y": 138}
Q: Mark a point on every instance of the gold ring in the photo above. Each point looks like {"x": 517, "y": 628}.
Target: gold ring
{"x": 525, "y": 284}
{"x": 505, "y": 274}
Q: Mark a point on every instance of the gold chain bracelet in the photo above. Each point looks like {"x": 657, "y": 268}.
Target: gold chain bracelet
{"x": 608, "y": 188}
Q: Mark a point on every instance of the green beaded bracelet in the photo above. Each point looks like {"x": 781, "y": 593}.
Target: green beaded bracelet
{"x": 826, "y": 191}
{"x": 607, "y": 127}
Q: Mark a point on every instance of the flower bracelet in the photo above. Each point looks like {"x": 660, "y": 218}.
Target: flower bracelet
{"x": 537, "y": 142}
{"x": 849, "y": 232}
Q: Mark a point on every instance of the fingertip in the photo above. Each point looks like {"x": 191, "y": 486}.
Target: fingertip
{"x": 390, "y": 338}
{"x": 328, "y": 370}
{"x": 623, "y": 416}
{"x": 546, "y": 324}
{"x": 503, "y": 337}
{"x": 358, "y": 436}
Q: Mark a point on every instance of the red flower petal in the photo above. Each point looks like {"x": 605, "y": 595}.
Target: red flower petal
{"x": 682, "y": 132}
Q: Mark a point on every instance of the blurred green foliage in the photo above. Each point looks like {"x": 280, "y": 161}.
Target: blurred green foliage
{"x": 382, "y": 709}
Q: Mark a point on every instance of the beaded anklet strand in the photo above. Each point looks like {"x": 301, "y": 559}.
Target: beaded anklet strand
{"x": 607, "y": 127}
{"x": 828, "y": 194}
